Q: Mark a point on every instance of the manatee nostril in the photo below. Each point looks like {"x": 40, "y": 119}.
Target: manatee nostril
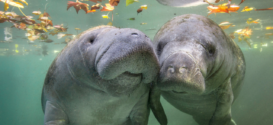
{"x": 171, "y": 69}
{"x": 134, "y": 34}
{"x": 182, "y": 69}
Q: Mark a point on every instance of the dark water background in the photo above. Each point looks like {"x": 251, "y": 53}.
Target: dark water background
{"x": 22, "y": 75}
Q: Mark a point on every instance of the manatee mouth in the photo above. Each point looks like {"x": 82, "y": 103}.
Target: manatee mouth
{"x": 177, "y": 92}
{"x": 124, "y": 84}
{"x": 132, "y": 74}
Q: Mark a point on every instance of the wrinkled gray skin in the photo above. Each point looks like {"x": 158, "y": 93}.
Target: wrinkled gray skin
{"x": 185, "y": 3}
{"x": 180, "y": 3}
{"x": 102, "y": 77}
{"x": 202, "y": 69}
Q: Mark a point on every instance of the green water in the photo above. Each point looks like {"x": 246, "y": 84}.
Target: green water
{"x": 22, "y": 74}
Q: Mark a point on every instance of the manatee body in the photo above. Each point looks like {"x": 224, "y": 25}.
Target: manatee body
{"x": 183, "y": 3}
{"x": 101, "y": 78}
{"x": 202, "y": 69}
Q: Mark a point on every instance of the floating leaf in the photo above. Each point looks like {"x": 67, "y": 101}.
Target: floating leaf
{"x": 78, "y": 6}
{"x": 95, "y": 7}
{"x": 105, "y": 16}
{"x": 12, "y": 3}
{"x": 6, "y": 6}
{"x": 23, "y": 1}
{"x": 144, "y": 7}
{"x": 131, "y": 19}
{"x": 139, "y": 10}
{"x": 114, "y": 2}
{"x": 107, "y": 7}
{"x": 36, "y": 12}
{"x": 128, "y": 2}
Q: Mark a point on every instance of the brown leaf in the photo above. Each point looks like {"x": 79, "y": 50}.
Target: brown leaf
{"x": 114, "y": 2}
{"x": 139, "y": 10}
{"x": 95, "y": 7}
{"x": 78, "y": 6}
{"x": 2, "y": 20}
{"x": 46, "y": 14}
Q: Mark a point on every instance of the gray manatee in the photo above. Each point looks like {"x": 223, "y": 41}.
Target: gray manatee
{"x": 202, "y": 69}
{"x": 183, "y": 3}
{"x": 102, "y": 77}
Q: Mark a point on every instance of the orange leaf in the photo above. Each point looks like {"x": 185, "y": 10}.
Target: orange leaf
{"x": 114, "y": 2}
{"x": 78, "y": 6}
{"x": 107, "y": 7}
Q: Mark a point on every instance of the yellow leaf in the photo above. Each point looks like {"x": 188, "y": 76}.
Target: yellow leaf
{"x": 6, "y": 7}
{"x": 144, "y": 7}
{"x": 44, "y": 29}
{"x": 128, "y": 2}
{"x": 23, "y": 1}
{"x": 105, "y": 16}
{"x": 12, "y": 3}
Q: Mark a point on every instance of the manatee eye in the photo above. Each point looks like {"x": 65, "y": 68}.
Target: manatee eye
{"x": 211, "y": 49}
{"x": 159, "y": 49}
{"x": 91, "y": 40}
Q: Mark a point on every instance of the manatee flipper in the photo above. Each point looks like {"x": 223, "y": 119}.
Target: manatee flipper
{"x": 222, "y": 114}
{"x": 155, "y": 105}
{"x": 54, "y": 115}
{"x": 140, "y": 112}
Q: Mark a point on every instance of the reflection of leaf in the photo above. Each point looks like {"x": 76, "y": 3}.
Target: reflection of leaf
{"x": 114, "y": 2}
{"x": 77, "y": 6}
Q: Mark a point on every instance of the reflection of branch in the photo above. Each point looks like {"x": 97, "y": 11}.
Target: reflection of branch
{"x": 45, "y": 6}
{"x": 22, "y": 12}
{"x": 8, "y": 33}
{"x": 261, "y": 25}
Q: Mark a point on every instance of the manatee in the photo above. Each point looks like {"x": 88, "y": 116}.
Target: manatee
{"x": 184, "y": 3}
{"x": 202, "y": 69}
{"x": 102, "y": 77}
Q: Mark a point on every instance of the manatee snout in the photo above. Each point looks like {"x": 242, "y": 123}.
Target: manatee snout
{"x": 179, "y": 64}
{"x": 180, "y": 73}
{"x": 129, "y": 53}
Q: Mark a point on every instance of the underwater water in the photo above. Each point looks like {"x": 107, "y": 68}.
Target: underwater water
{"x": 24, "y": 63}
